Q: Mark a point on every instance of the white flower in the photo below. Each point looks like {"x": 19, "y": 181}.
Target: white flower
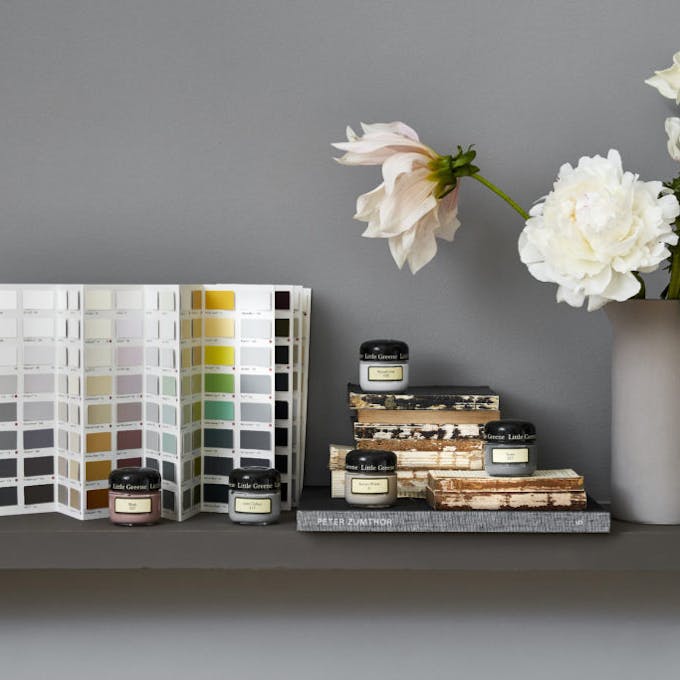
{"x": 673, "y": 132}
{"x": 596, "y": 227}
{"x": 668, "y": 80}
{"x": 403, "y": 208}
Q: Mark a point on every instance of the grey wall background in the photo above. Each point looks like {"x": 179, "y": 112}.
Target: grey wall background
{"x": 164, "y": 141}
{"x": 180, "y": 141}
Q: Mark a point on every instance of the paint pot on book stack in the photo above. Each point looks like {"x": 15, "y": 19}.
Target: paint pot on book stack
{"x": 371, "y": 478}
{"x": 134, "y": 496}
{"x": 383, "y": 366}
{"x": 254, "y": 495}
{"x": 510, "y": 448}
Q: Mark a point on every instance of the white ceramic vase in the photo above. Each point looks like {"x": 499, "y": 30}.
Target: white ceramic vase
{"x": 645, "y": 457}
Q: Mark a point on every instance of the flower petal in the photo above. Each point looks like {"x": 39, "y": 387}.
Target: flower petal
{"x": 667, "y": 81}
{"x": 424, "y": 248}
{"x": 396, "y": 127}
{"x": 597, "y": 226}
{"x": 408, "y": 202}
{"x": 673, "y": 131}
{"x": 398, "y": 250}
{"x": 399, "y": 164}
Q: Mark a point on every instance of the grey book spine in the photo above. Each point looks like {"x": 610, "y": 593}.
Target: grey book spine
{"x": 590, "y": 521}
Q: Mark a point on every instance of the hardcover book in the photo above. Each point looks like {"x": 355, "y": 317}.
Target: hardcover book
{"x": 507, "y": 500}
{"x": 454, "y": 481}
{"x": 423, "y": 432}
{"x": 420, "y": 460}
{"x": 413, "y": 417}
{"x": 318, "y": 512}
{"x": 451, "y": 445}
{"x": 429, "y": 397}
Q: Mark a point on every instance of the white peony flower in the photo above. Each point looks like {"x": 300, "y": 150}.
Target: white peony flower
{"x": 673, "y": 132}
{"x": 668, "y": 80}
{"x": 596, "y": 227}
{"x": 405, "y": 207}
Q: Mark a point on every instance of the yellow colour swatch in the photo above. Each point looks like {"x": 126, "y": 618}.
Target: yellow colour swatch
{"x": 99, "y": 414}
{"x": 95, "y": 470}
{"x": 219, "y": 328}
{"x": 98, "y": 441}
{"x": 99, "y": 385}
{"x": 219, "y": 299}
{"x": 196, "y": 299}
{"x": 219, "y": 356}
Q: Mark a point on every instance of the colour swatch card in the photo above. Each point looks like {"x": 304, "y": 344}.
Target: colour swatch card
{"x": 190, "y": 380}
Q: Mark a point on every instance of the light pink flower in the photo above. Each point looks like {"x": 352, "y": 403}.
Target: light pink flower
{"x": 404, "y": 208}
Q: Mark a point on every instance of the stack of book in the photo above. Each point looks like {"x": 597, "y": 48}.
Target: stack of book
{"x": 429, "y": 428}
{"x": 476, "y": 490}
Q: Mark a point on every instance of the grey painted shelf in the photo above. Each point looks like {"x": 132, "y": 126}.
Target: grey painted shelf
{"x": 212, "y": 542}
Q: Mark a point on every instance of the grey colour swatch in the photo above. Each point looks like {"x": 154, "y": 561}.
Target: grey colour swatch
{"x": 38, "y": 383}
{"x": 8, "y": 467}
{"x": 38, "y": 410}
{"x": 8, "y": 412}
{"x": 34, "y": 467}
{"x": 255, "y": 439}
{"x": 8, "y": 440}
{"x": 213, "y": 465}
{"x": 255, "y": 384}
{"x": 38, "y": 439}
{"x": 256, "y": 413}
{"x": 8, "y": 384}
{"x": 42, "y": 493}
{"x": 8, "y": 496}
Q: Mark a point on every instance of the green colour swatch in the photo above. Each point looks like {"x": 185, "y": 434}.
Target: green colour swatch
{"x": 219, "y": 410}
{"x": 219, "y": 382}
{"x": 169, "y": 386}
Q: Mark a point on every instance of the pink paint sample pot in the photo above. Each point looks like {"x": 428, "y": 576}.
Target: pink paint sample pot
{"x": 134, "y": 496}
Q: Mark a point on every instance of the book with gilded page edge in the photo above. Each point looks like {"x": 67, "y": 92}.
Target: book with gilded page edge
{"x": 318, "y": 512}
{"x": 428, "y": 397}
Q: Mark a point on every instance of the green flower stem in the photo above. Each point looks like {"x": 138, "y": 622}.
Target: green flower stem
{"x": 674, "y": 285}
{"x": 502, "y": 194}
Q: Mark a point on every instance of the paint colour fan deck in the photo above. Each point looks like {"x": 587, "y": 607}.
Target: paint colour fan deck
{"x": 190, "y": 380}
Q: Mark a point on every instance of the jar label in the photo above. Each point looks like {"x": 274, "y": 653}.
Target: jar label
{"x": 253, "y": 506}
{"x": 382, "y": 373}
{"x": 370, "y": 485}
{"x": 510, "y": 456}
{"x": 132, "y": 506}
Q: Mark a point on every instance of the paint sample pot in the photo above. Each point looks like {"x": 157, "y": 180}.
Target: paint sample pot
{"x": 510, "y": 448}
{"x": 371, "y": 478}
{"x": 383, "y": 366}
{"x": 254, "y": 495}
{"x": 134, "y": 496}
